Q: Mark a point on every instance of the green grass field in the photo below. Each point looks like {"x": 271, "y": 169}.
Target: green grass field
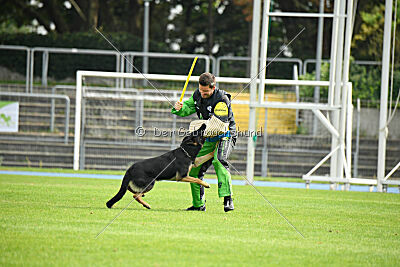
{"x": 54, "y": 221}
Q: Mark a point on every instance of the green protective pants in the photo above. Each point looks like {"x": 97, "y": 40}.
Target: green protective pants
{"x": 223, "y": 175}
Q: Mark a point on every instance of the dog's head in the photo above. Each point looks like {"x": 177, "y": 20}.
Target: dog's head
{"x": 194, "y": 141}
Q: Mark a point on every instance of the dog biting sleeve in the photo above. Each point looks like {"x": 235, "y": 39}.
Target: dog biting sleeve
{"x": 214, "y": 126}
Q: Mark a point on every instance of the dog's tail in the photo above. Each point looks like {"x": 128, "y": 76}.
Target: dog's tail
{"x": 121, "y": 192}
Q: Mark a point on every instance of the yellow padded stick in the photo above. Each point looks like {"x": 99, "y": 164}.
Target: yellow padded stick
{"x": 187, "y": 80}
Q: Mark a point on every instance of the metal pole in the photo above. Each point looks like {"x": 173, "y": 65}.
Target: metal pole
{"x": 334, "y": 40}
{"x": 264, "y": 158}
{"x": 339, "y": 117}
{"x": 67, "y": 109}
{"x": 122, "y": 62}
{"x": 349, "y": 126}
{"x": 332, "y": 79}
{"x": 255, "y": 39}
{"x": 146, "y": 38}
{"x": 384, "y": 94}
{"x": 45, "y": 67}
{"x": 118, "y": 81}
{"x": 77, "y": 137}
{"x": 137, "y": 110}
{"x": 31, "y": 70}
{"x": 297, "y": 91}
{"x": 173, "y": 137}
{"x": 336, "y": 160}
{"x": 27, "y": 50}
{"x": 320, "y": 39}
{"x": 141, "y": 103}
{"x": 299, "y": 14}
{"x": 82, "y": 154}
{"x": 129, "y": 69}
{"x": 207, "y": 63}
{"x": 347, "y": 92}
{"x": 218, "y": 67}
{"x": 213, "y": 63}
{"x": 53, "y": 110}
{"x": 355, "y": 166}
{"x": 28, "y": 58}
{"x": 264, "y": 50}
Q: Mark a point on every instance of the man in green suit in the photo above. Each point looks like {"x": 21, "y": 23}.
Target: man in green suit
{"x": 208, "y": 101}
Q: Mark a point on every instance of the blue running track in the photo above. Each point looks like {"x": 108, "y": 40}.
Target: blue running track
{"x": 359, "y": 188}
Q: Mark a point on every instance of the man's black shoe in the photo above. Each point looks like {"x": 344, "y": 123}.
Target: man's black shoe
{"x": 228, "y": 204}
{"x": 202, "y": 208}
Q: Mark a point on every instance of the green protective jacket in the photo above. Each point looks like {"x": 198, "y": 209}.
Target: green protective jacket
{"x": 206, "y": 107}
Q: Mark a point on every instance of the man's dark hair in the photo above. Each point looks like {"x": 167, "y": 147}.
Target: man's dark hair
{"x": 207, "y": 79}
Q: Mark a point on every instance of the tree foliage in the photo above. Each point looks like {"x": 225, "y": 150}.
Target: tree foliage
{"x": 366, "y": 82}
{"x": 74, "y": 15}
{"x": 368, "y": 40}
{"x": 217, "y": 27}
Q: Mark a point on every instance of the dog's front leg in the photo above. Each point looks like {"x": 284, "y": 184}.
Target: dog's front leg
{"x": 195, "y": 180}
{"x": 200, "y": 160}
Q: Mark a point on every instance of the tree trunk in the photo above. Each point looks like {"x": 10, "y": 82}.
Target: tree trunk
{"x": 210, "y": 27}
{"x": 134, "y": 18}
{"x": 248, "y": 63}
{"x": 94, "y": 13}
{"x": 53, "y": 10}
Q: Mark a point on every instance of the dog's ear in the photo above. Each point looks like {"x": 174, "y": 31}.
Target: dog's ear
{"x": 200, "y": 131}
{"x": 203, "y": 127}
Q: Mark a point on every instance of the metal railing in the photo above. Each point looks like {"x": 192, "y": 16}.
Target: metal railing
{"x": 357, "y": 62}
{"x": 289, "y": 60}
{"x": 28, "y": 51}
{"x": 67, "y": 106}
{"x": 130, "y": 55}
{"x": 46, "y": 53}
{"x": 211, "y": 63}
{"x": 120, "y": 60}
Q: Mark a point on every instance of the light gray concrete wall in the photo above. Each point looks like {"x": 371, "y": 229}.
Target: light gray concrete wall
{"x": 369, "y": 123}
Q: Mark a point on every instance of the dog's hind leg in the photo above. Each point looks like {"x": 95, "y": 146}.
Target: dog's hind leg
{"x": 133, "y": 192}
{"x": 195, "y": 180}
{"x": 138, "y": 198}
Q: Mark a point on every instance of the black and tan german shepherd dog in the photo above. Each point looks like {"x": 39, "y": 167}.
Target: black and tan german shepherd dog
{"x": 174, "y": 165}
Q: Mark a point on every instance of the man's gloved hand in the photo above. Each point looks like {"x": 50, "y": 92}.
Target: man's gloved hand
{"x": 178, "y": 105}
